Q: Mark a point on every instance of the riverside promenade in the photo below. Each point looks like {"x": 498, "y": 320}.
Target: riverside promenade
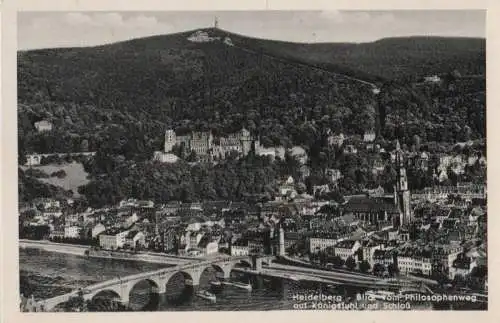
{"x": 81, "y": 250}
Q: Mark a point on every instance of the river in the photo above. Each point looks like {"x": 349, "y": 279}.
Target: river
{"x": 45, "y": 274}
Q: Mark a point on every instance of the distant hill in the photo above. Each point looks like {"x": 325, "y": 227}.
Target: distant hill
{"x": 124, "y": 95}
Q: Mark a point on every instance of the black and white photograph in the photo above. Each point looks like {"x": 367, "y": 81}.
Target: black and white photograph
{"x": 252, "y": 161}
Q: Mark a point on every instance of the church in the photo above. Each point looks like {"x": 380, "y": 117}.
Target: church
{"x": 385, "y": 211}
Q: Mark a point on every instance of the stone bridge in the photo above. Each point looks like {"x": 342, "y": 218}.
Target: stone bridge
{"x": 192, "y": 272}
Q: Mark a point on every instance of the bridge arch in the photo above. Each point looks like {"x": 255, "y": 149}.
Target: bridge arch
{"x": 109, "y": 293}
{"x": 243, "y": 263}
{"x": 216, "y": 271}
{"x": 143, "y": 294}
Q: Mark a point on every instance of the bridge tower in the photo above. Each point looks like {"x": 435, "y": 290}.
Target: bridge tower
{"x": 281, "y": 241}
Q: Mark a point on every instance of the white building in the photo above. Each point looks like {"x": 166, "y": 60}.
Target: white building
{"x": 347, "y": 248}
{"x": 33, "y": 160}
{"x": 113, "y": 239}
{"x": 317, "y": 244}
{"x": 239, "y": 250}
{"x": 414, "y": 264}
{"x": 72, "y": 231}
{"x": 43, "y": 125}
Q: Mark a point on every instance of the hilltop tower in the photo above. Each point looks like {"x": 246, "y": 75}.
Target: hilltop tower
{"x": 401, "y": 192}
{"x": 216, "y": 22}
{"x": 170, "y": 140}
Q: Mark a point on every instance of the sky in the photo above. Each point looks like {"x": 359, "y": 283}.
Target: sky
{"x": 69, "y": 29}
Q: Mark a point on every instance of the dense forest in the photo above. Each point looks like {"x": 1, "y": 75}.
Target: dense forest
{"x": 119, "y": 99}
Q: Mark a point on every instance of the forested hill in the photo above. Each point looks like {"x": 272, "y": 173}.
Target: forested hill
{"x": 121, "y": 97}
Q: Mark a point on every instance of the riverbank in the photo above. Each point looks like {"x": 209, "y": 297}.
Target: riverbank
{"x": 77, "y": 250}
{"x": 86, "y": 251}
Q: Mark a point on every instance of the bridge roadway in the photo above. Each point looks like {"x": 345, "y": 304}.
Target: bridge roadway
{"x": 336, "y": 277}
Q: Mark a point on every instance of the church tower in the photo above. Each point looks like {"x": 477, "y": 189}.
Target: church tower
{"x": 401, "y": 192}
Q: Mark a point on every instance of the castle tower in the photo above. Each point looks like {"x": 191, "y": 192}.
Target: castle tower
{"x": 246, "y": 141}
{"x": 401, "y": 192}
{"x": 170, "y": 140}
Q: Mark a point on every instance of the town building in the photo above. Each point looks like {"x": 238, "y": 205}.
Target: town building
{"x": 240, "y": 248}
{"x": 72, "y": 231}
{"x": 347, "y": 248}
{"x": 462, "y": 266}
{"x": 134, "y": 239}
{"x": 336, "y": 140}
{"x": 113, "y": 239}
{"x": 415, "y": 261}
{"x": 33, "y": 160}
{"x": 43, "y": 125}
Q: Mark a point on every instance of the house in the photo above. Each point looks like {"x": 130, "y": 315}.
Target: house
{"x": 57, "y": 232}
{"x": 240, "y": 248}
{"x": 43, "y": 125}
{"x": 346, "y": 248}
{"x": 45, "y": 203}
{"x": 350, "y": 149}
{"x": 368, "y": 248}
{"x": 72, "y": 231}
{"x": 369, "y": 136}
{"x": 292, "y": 238}
{"x": 33, "y": 160}
{"x": 113, "y": 239}
{"x": 432, "y": 79}
{"x": 415, "y": 261}
{"x": 462, "y": 266}
{"x": 170, "y": 238}
{"x": 336, "y": 140}
{"x": 135, "y": 238}
{"x": 383, "y": 257}
{"x": 52, "y": 212}
{"x": 333, "y": 175}
{"x": 320, "y": 189}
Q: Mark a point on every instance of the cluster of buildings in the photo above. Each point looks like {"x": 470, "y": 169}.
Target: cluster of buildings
{"x": 411, "y": 232}
{"x": 207, "y": 147}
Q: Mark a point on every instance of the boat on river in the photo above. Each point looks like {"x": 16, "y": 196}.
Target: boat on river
{"x": 206, "y": 295}
{"x": 239, "y": 285}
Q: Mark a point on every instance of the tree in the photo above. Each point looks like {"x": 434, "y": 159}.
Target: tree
{"x": 84, "y": 145}
{"x": 392, "y": 269}
{"x": 337, "y": 262}
{"x": 364, "y": 266}
{"x": 378, "y": 269}
{"x": 350, "y": 263}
